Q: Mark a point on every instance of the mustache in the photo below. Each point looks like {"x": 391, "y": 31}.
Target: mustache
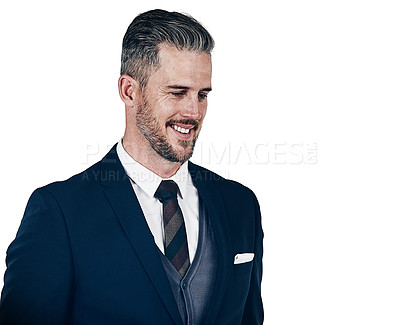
{"x": 191, "y": 122}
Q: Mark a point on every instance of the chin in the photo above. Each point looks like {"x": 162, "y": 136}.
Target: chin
{"x": 183, "y": 156}
{"x": 178, "y": 154}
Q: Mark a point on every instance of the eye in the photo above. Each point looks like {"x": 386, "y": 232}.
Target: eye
{"x": 203, "y": 96}
{"x": 178, "y": 94}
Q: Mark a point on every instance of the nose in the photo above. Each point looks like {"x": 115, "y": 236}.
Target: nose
{"x": 192, "y": 108}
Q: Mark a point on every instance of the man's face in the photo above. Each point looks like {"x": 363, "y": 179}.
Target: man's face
{"x": 174, "y": 102}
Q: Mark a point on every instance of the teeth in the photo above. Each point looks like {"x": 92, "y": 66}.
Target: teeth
{"x": 180, "y": 129}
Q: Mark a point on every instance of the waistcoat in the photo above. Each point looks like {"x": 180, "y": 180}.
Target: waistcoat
{"x": 193, "y": 292}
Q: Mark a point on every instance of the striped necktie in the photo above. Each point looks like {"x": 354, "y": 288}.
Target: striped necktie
{"x": 176, "y": 247}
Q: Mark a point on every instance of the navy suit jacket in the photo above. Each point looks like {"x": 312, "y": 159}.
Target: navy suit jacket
{"x": 84, "y": 254}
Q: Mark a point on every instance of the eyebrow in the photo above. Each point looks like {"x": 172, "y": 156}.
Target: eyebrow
{"x": 186, "y": 88}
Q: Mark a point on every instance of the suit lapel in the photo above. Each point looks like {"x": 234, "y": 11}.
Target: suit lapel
{"x": 122, "y": 198}
{"x": 208, "y": 192}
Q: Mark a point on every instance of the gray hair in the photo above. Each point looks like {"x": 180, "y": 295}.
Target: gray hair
{"x": 150, "y": 29}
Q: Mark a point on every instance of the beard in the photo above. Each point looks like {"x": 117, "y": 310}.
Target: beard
{"x": 148, "y": 125}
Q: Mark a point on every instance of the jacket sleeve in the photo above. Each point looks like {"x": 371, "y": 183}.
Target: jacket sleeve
{"x": 253, "y": 312}
{"x": 38, "y": 280}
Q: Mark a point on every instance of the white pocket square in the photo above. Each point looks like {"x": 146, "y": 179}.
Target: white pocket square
{"x": 243, "y": 258}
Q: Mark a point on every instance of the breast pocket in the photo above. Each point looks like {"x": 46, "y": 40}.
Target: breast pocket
{"x": 242, "y": 268}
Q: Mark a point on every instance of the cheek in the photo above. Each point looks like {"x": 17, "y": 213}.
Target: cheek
{"x": 162, "y": 115}
{"x": 168, "y": 108}
{"x": 203, "y": 111}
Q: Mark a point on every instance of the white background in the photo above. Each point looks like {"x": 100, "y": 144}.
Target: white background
{"x": 303, "y": 111}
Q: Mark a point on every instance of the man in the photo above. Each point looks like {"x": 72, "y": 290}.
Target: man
{"x": 143, "y": 236}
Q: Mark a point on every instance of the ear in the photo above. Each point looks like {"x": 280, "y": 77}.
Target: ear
{"x": 129, "y": 90}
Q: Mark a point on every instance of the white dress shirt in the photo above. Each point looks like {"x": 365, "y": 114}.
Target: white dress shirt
{"x": 145, "y": 184}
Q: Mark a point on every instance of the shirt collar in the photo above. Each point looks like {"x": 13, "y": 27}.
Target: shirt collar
{"x": 146, "y": 179}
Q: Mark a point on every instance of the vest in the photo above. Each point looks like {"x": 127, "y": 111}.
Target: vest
{"x": 193, "y": 292}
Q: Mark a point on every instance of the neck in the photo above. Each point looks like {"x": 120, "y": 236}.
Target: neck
{"x": 147, "y": 157}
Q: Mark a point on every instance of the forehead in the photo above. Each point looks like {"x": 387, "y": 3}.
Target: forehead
{"x": 188, "y": 68}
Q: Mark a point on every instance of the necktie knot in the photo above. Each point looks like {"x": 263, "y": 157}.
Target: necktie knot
{"x": 166, "y": 191}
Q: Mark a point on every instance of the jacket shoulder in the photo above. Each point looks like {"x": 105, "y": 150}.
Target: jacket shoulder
{"x": 83, "y": 179}
{"x": 107, "y": 169}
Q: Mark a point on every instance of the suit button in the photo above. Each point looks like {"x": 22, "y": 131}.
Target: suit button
{"x": 184, "y": 284}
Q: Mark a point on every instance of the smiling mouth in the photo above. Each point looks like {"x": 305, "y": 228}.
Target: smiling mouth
{"x": 180, "y": 129}
{"x": 183, "y": 127}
